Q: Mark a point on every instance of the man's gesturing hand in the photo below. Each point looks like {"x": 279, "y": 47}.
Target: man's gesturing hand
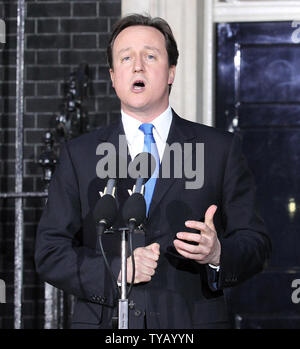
{"x": 145, "y": 259}
{"x": 208, "y": 248}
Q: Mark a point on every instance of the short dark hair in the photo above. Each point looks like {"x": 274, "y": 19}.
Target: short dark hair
{"x": 138, "y": 19}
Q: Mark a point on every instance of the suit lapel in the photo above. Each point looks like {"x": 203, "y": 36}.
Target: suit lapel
{"x": 111, "y": 134}
{"x": 180, "y": 132}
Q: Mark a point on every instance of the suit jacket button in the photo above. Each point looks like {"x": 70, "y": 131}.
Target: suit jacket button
{"x": 137, "y": 313}
{"x": 102, "y": 300}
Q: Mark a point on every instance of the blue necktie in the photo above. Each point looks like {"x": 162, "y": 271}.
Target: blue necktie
{"x": 150, "y": 147}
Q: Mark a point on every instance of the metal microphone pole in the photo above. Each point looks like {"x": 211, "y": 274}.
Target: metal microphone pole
{"x": 134, "y": 209}
{"x": 123, "y": 301}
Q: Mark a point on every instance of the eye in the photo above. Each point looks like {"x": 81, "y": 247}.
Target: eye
{"x": 125, "y": 59}
{"x": 150, "y": 57}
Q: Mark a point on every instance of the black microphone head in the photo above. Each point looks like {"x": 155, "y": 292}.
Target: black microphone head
{"x": 135, "y": 208}
{"x": 106, "y": 209}
{"x": 143, "y": 166}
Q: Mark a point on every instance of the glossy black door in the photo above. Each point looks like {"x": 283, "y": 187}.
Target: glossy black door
{"x": 258, "y": 96}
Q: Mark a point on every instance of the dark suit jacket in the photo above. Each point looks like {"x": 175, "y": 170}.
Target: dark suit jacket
{"x": 181, "y": 293}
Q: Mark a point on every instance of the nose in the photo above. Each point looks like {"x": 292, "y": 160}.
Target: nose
{"x": 138, "y": 64}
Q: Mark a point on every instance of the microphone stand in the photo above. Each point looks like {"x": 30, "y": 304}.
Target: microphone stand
{"x": 123, "y": 301}
{"x": 134, "y": 214}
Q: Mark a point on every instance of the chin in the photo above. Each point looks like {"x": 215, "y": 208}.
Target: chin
{"x": 137, "y": 106}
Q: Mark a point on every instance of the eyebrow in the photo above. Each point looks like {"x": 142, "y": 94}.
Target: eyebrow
{"x": 152, "y": 48}
{"x": 146, "y": 47}
{"x": 123, "y": 50}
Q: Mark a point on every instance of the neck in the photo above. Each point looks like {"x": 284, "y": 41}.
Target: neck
{"x": 145, "y": 116}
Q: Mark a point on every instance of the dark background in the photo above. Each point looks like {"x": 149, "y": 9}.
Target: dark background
{"x": 59, "y": 35}
{"x": 262, "y": 94}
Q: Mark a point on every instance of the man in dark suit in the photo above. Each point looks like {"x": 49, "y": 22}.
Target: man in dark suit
{"x": 197, "y": 241}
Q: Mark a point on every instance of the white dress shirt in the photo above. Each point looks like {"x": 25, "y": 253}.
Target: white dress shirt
{"x": 135, "y": 137}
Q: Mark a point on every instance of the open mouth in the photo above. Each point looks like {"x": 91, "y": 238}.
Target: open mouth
{"x": 138, "y": 85}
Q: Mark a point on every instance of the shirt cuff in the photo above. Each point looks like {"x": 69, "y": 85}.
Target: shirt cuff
{"x": 216, "y": 268}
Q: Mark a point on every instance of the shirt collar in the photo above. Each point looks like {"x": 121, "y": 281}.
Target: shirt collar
{"x": 162, "y": 125}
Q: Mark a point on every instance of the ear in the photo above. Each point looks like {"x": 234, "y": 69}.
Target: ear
{"x": 112, "y": 76}
{"x": 172, "y": 72}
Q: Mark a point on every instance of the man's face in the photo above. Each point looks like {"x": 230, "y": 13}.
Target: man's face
{"x": 141, "y": 74}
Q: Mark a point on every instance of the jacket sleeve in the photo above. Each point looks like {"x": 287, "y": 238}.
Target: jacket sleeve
{"x": 60, "y": 259}
{"x": 245, "y": 244}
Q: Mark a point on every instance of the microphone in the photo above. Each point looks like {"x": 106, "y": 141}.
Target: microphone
{"x": 110, "y": 188}
{"x": 105, "y": 214}
{"x": 134, "y": 209}
{"x": 141, "y": 168}
{"x": 105, "y": 211}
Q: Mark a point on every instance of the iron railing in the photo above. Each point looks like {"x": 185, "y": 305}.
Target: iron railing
{"x": 70, "y": 123}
